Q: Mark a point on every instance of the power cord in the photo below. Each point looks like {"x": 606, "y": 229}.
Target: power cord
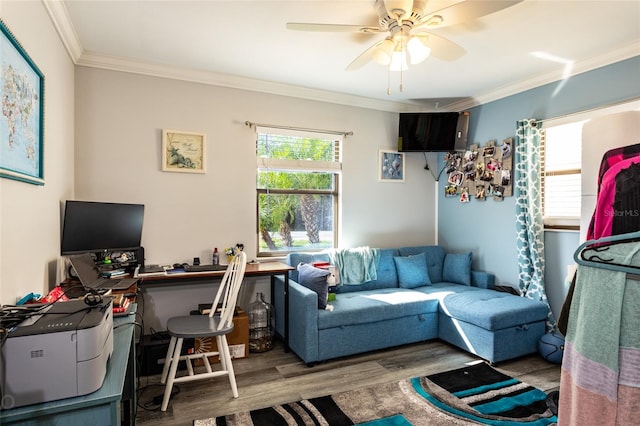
{"x": 442, "y": 170}
{"x": 12, "y": 315}
{"x": 156, "y": 401}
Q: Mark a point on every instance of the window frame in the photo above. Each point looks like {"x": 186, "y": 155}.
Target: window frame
{"x": 586, "y": 115}
{"x": 286, "y": 165}
{"x": 569, "y": 223}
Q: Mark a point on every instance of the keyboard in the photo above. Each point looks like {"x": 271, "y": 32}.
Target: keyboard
{"x": 151, "y": 269}
{"x": 204, "y": 268}
{"x": 114, "y": 284}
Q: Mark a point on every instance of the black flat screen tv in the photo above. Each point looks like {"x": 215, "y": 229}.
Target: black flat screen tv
{"x": 90, "y": 226}
{"x": 432, "y": 131}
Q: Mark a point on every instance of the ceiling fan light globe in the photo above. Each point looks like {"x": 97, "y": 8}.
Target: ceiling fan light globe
{"x": 382, "y": 54}
{"x": 382, "y": 58}
{"x": 418, "y": 50}
{"x": 399, "y": 61}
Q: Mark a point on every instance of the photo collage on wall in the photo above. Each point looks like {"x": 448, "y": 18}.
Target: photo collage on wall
{"x": 480, "y": 172}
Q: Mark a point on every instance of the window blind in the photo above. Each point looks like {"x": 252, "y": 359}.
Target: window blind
{"x": 561, "y": 173}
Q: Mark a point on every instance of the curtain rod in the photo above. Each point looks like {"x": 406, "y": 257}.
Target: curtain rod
{"x": 301, "y": 129}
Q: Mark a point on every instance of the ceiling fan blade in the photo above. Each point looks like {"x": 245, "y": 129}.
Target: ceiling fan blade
{"x": 444, "y": 49}
{"x": 363, "y": 59}
{"x": 332, "y": 28}
{"x": 463, "y": 12}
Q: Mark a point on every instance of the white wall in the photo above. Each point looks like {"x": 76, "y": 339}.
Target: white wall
{"x": 599, "y": 136}
{"x": 119, "y": 119}
{"x": 30, "y": 214}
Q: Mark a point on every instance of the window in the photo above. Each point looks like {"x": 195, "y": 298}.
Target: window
{"x": 561, "y": 177}
{"x": 297, "y": 190}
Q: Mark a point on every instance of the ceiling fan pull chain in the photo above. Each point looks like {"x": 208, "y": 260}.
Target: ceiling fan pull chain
{"x": 403, "y": 50}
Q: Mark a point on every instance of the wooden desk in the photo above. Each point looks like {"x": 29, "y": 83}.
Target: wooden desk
{"x": 101, "y": 407}
{"x": 271, "y": 269}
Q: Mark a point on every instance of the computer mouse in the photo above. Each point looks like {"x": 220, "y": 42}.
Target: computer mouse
{"x": 178, "y": 265}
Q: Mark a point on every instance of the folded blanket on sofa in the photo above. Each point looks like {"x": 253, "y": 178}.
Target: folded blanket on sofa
{"x": 356, "y": 265}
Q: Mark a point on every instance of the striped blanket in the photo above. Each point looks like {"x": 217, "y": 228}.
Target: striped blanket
{"x": 600, "y": 379}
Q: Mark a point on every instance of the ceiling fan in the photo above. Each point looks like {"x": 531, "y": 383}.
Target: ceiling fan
{"x": 409, "y": 24}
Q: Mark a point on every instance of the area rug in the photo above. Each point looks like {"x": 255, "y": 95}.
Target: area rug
{"x": 486, "y": 396}
{"x": 476, "y": 394}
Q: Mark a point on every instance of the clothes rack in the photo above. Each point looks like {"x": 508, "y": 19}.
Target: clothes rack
{"x": 601, "y": 246}
{"x": 599, "y": 384}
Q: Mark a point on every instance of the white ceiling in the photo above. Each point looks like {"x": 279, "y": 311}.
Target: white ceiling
{"x": 246, "y": 44}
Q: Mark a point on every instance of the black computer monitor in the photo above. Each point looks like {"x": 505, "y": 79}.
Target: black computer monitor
{"x": 90, "y": 226}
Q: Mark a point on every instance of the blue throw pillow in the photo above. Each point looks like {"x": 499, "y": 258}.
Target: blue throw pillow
{"x": 457, "y": 268}
{"x": 315, "y": 279}
{"x": 412, "y": 270}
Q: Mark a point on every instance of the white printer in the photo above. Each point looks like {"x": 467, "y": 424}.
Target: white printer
{"x": 60, "y": 353}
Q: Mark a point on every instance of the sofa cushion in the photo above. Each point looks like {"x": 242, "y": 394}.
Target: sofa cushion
{"x": 363, "y": 307}
{"x": 489, "y": 309}
{"x": 412, "y": 270}
{"x": 435, "y": 259}
{"x": 482, "y": 279}
{"x": 315, "y": 279}
{"x": 457, "y": 268}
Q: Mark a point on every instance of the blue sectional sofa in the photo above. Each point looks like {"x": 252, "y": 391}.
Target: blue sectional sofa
{"x": 404, "y": 305}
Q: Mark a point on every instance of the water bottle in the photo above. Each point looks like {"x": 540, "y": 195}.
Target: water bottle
{"x": 261, "y": 325}
{"x": 216, "y": 259}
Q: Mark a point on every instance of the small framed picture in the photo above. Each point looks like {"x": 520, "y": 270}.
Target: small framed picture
{"x": 506, "y": 148}
{"x": 183, "y": 151}
{"x": 493, "y": 165}
{"x": 456, "y": 178}
{"x": 470, "y": 156}
{"x": 450, "y": 191}
{"x": 489, "y": 151}
{"x": 464, "y": 195}
{"x": 505, "y": 177}
{"x": 390, "y": 166}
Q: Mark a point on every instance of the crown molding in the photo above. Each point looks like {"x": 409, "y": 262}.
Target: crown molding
{"x": 63, "y": 25}
{"x": 114, "y": 63}
{"x": 626, "y": 52}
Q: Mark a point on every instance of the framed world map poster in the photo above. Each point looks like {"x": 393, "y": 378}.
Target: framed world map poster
{"x": 21, "y": 122}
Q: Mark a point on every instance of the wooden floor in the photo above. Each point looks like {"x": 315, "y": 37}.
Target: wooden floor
{"x": 276, "y": 377}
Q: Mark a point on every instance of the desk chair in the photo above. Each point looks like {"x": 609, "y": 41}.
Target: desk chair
{"x": 218, "y": 323}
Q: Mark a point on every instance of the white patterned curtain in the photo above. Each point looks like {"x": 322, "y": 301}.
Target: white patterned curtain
{"x": 529, "y": 225}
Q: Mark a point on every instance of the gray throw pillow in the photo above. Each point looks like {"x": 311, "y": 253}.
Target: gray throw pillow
{"x": 315, "y": 279}
{"x": 412, "y": 270}
{"x": 457, "y": 268}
